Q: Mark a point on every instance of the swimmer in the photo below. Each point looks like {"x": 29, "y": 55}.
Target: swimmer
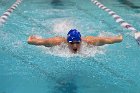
{"x": 74, "y": 40}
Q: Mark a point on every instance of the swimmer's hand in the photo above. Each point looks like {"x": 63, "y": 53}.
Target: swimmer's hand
{"x": 137, "y": 37}
{"x": 33, "y": 39}
{"x": 120, "y": 38}
{"x": 30, "y": 39}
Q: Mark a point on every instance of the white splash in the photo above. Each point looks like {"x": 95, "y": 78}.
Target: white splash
{"x": 63, "y": 50}
{"x": 62, "y": 26}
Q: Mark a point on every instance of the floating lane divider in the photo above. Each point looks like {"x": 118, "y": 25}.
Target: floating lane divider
{"x": 5, "y": 15}
{"x": 118, "y": 19}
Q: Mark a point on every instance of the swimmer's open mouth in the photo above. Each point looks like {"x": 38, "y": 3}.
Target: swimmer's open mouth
{"x": 75, "y": 50}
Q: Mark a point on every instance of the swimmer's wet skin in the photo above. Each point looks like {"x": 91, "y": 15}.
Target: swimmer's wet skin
{"x": 74, "y": 40}
{"x": 98, "y": 41}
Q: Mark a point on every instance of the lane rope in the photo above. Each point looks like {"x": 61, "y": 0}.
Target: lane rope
{"x": 119, "y": 20}
{"x": 5, "y": 15}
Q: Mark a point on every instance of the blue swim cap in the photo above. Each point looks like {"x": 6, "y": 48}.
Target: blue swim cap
{"x": 73, "y": 35}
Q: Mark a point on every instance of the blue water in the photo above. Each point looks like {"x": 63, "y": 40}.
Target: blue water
{"x": 31, "y": 69}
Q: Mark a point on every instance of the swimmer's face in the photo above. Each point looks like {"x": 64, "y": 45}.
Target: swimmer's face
{"x": 74, "y": 46}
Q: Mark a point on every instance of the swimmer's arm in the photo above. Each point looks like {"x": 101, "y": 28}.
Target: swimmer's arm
{"x": 99, "y": 41}
{"x": 48, "y": 42}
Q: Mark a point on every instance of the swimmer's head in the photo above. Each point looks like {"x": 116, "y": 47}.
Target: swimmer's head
{"x": 73, "y": 35}
{"x": 74, "y": 40}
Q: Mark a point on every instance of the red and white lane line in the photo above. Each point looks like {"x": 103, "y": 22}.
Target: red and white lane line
{"x": 118, "y": 19}
{"x": 5, "y": 15}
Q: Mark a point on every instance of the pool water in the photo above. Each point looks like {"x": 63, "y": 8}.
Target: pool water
{"x": 36, "y": 69}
